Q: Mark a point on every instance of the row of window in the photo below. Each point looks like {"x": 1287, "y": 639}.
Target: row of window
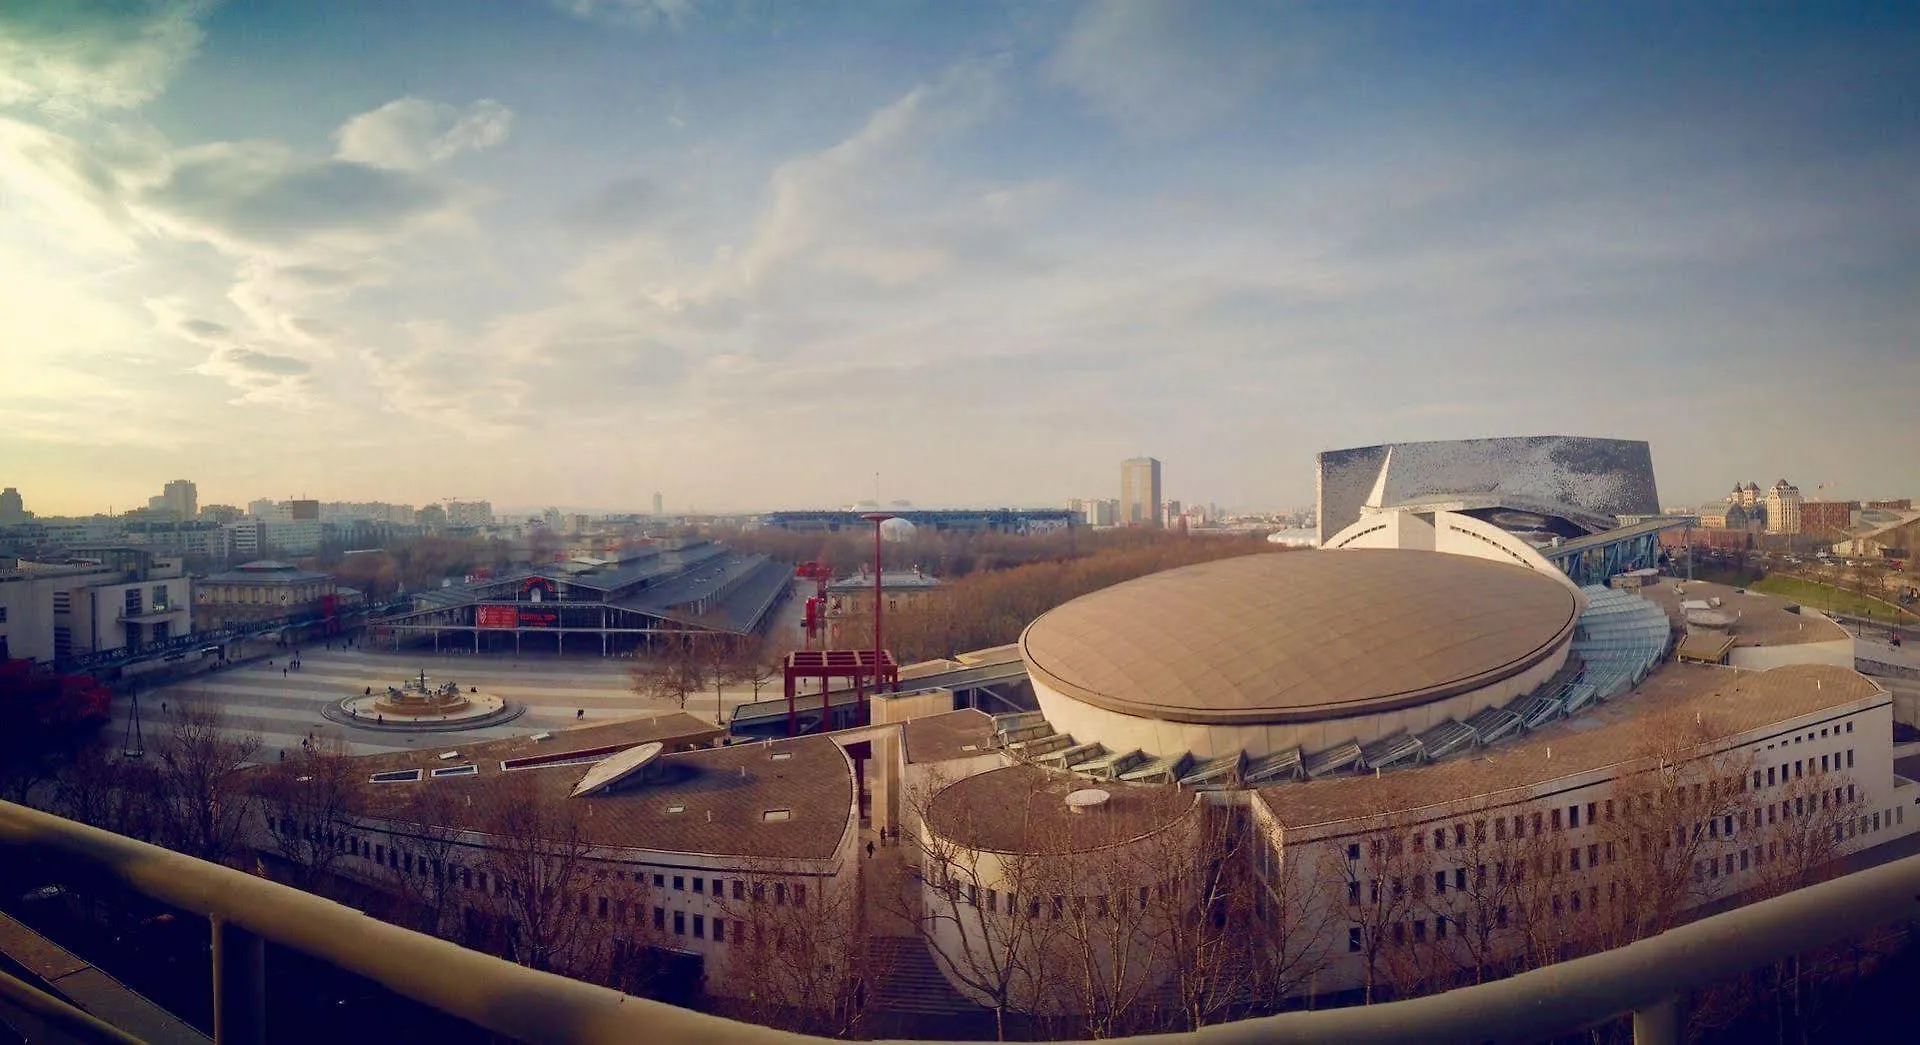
{"x": 397, "y": 859}
{"x": 1104, "y": 906}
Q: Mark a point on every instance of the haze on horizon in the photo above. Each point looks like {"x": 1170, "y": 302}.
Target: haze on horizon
{"x": 750, "y": 253}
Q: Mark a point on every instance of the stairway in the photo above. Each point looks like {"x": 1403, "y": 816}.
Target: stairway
{"x": 912, "y": 999}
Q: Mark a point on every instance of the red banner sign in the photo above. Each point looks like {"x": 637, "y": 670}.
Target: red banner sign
{"x": 495, "y": 616}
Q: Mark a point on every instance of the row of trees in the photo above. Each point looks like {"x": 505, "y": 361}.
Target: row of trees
{"x": 1229, "y": 926}
{"x": 680, "y": 667}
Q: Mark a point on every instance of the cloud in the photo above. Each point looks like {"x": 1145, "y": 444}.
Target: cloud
{"x": 261, "y": 377}
{"x": 412, "y": 133}
{"x": 636, "y": 14}
{"x": 262, "y": 193}
{"x": 70, "y": 58}
{"x": 1159, "y": 68}
{"x": 62, "y": 184}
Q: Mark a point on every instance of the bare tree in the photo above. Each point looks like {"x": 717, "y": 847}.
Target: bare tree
{"x": 307, "y": 800}
{"x": 979, "y": 914}
{"x": 803, "y": 947}
{"x": 669, "y": 672}
{"x": 204, "y": 801}
{"x": 429, "y": 826}
{"x": 102, "y": 787}
{"x": 1372, "y": 880}
{"x": 543, "y": 897}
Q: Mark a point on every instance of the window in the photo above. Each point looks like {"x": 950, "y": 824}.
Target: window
{"x": 602, "y": 911}
{"x": 1849, "y": 729}
{"x": 1573, "y": 858}
{"x": 780, "y": 893}
{"x": 1556, "y": 820}
{"x": 699, "y": 885}
{"x": 1500, "y": 830}
{"x": 1573, "y": 816}
{"x": 1823, "y": 732}
{"x": 1353, "y": 851}
{"x": 1500, "y": 916}
{"x": 679, "y": 923}
{"x": 800, "y": 894}
{"x": 1536, "y": 824}
{"x": 1439, "y": 883}
{"x": 659, "y": 918}
{"x": 1353, "y": 894}
{"x": 1460, "y": 834}
{"x": 1439, "y": 839}
{"x": 738, "y": 889}
{"x": 1353, "y": 938}
{"x": 777, "y": 815}
{"x": 719, "y": 930}
{"x": 679, "y": 883}
{"x": 1823, "y": 764}
{"x": 659, "y": 881}
{"x": 1849, "y": 750}
{"x": 1769, "y": 776}
{"x": 1593, "y": 855}
{"x": 1460, "y": 877}
{"x": 1420, "y": 930}
{"x": 700, "y": 927}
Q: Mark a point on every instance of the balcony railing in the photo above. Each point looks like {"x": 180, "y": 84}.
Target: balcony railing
{"x": 1646, "y": 978}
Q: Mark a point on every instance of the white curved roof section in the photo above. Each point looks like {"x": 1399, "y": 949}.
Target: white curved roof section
{"x": 617, "y": 767}
{"x": 1449, "y": 532}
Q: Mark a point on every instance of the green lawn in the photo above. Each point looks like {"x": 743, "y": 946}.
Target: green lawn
{"x": 1827, "y": 597}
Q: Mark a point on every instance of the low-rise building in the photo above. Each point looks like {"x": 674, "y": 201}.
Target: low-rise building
{"x": 849, "y": 609}
{"x": 259, "y": 590}
{"x": 93, "y": 600}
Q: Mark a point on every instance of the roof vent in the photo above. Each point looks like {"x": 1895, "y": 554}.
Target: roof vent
{"x": 1085, "y": 799}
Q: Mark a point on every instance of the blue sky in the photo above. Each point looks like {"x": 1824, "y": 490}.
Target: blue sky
{"x": 748, "y": 254}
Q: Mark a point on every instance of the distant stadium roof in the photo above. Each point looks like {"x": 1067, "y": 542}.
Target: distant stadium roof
{"x": 1299, "y": 637}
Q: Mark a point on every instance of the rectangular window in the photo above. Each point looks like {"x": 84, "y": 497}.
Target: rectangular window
{"x": 659, "y": 881}
{"x": 1353, "y": 938}
{"x": 1823, "y": 764}
{"x": 659, "y": 918}
{"x": 737, "y": 889}
{"x": 1460, "y": 834}
{"x": 1849, "y": 750}
{"x": 1420, "y": 930}
{"x": 1770, "y": 776}
{"x": 699, "y": 927}
{"x": 1536, "y": 825}
{"x": 1573, "y": 858}
{"x": 679, "y": 923}
{"x": 1353, "y": 851}
{"x": 719, "y": 930}
{"x": 993, "y": 898}
{"x": 1500, "y": 829}
{"x": 1353, "y": 894}
{"x": 679, "y": 883}
{"x": 1479, "y": 830}
{"x": 800, "y": 894}
{"x": 1743, "y": 859}
{"x": 780, "y": 893}
{"x": 1573, "y": 817}
{"x": 699, "y": 885}
{"x": 1439, "y": 883}
{"x": 1439, "y": 839}
{"x": 1593, "y": 855}
{"x": 1556, "y": 819}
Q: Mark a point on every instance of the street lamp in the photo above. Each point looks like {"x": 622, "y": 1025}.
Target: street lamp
{"x": 876, "y": 518}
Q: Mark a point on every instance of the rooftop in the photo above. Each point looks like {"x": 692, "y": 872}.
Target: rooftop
{"x": 708, "y": 800}
{"x": 1667, "y": 703}
{"x": 1760, "y": 620}
{"x": 956, "y": 734}
{"x": 1298, "y": 637}
{"x": 1023, "y": 809}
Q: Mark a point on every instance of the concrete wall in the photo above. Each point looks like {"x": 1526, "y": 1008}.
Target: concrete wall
{"x": 1157, "y": 738}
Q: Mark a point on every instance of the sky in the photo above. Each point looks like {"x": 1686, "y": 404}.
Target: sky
{"x": 750, "y": 253}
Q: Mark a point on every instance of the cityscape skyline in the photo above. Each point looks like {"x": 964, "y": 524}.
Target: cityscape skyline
{"x": 400, "y": 252}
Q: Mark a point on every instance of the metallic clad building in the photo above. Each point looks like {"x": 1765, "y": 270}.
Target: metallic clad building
{"x": 1580, "y": 483}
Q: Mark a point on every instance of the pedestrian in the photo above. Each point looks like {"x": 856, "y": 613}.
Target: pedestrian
{"x": 580, "y": 714}
{"x": 283, "y": 673}
{"x": 369, "y": 692}
{"x": 163, "y": 707}
{"x": 869, "y": 850}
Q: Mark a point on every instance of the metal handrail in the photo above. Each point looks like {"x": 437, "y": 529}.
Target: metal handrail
{"x": 1643, "y": 978}
{"x": 63, "y": 1014}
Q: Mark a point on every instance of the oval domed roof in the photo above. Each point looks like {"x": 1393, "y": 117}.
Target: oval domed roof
{"x": 1300, "y": 636}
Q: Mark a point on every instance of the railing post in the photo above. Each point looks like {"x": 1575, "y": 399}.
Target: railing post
{"x": 1658, "y": 1023}
{"x": 239, "y": 986}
